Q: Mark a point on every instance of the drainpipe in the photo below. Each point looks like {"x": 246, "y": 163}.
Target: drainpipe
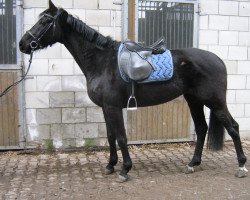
{"x": 115, "y": 2}
{"x": 21, "y": 87}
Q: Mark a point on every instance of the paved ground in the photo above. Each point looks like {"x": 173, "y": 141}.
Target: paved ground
{"x": 157, "y": 174}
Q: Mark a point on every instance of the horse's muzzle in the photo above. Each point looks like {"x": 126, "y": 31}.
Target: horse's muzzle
{"x": 24, "y": 48}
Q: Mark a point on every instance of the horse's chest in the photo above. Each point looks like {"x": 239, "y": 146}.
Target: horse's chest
{"x": 103, "y": 91}
{"x": 95, "y": 92}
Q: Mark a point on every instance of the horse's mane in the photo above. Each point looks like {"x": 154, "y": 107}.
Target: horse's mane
{"x": 90, "y": 34}
{"x": 87, "y": 32}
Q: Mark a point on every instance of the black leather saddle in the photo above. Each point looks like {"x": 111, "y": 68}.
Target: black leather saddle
{"x": 157, "y": 48}
{"x": 135, "y": 60}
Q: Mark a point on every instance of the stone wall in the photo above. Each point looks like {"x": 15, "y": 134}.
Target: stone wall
{"x": 225, "y": 30}
{"x": 58, "y": 109}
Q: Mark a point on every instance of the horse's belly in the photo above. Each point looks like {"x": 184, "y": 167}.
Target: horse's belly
{"x": 148, "y": 96}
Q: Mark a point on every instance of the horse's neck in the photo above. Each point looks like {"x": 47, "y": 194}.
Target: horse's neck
{"x": 83, "y": 52}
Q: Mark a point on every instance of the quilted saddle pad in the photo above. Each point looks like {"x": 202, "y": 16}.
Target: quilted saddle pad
{"x": 163, "y": 68}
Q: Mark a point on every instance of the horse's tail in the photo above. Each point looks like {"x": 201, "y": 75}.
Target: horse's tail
{"x": 216, "y": 133}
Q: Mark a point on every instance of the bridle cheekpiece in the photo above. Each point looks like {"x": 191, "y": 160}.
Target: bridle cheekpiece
{"x": 36, "y": 39}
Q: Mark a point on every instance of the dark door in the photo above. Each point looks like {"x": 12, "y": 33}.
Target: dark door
{"x": 148, "y": 21}
{"x": 9, "y": 133}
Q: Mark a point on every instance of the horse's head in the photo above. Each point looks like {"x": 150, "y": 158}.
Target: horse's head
{"x": 45, "y": 32}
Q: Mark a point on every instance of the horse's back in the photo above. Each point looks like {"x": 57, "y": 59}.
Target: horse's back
{"x": 202, "y": 58}
{"x": 204, "y": 73}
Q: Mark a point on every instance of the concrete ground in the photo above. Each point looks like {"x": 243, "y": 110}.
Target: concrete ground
{"x": 157, "y": 173}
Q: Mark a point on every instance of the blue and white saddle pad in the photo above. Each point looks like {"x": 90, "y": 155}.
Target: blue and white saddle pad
{"x": 163, "y": 68}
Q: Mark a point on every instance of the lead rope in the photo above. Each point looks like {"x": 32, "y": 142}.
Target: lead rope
{"x": 24, "y": 76}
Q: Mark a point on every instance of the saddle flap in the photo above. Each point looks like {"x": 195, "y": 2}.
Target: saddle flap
{"x": 137, "y": 65}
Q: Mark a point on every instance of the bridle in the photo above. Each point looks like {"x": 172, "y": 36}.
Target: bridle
{"x": 36, "y": 39}
{"x": 33, "y": 45}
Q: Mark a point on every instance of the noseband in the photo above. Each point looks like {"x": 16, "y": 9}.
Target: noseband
{"x": 36, "y": 39}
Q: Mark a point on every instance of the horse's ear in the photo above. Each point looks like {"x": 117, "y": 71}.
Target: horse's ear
{"x": 64, "y": 16}
{"x": 52, "y": 7}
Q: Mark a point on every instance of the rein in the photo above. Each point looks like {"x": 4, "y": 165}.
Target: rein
{"x": 33, "y": 45}
{"x": 24, "y": 76}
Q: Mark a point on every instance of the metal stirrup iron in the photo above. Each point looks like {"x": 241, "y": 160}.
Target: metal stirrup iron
{"x": 132, "y": 98}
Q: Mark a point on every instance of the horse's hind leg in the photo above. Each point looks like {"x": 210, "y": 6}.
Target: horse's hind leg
{"x": 116, "y": 129}
{"x": 197, "y": 112}
{"x": 232, "y": 128}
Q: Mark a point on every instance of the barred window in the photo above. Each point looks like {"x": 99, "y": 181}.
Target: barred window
{"x": 8, "y": 54}
{"x": 172, "y": 20}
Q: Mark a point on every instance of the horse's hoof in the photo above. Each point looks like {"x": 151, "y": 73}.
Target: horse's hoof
{"x": 122, "y": 178}
{"x": 109, "y": 171}
{"x": 241, "y": 172}
{"x": 189, "y": 170}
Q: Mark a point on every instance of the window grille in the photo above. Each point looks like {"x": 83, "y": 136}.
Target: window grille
{"x": 8, "y": 54}
{"x": 172, "y": 20}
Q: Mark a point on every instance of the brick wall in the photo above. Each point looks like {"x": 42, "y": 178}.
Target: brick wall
{"x": 225, "y": 30}
{"x": 57, "y": 105}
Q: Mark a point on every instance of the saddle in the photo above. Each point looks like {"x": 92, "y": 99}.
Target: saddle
{"x": 135, "y": 60}
{"x": 157, "y": 48}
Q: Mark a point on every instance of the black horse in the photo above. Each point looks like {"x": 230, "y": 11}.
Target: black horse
{"x": 198, "y": 75}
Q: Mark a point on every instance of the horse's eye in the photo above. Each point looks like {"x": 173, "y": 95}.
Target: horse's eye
{"x": 46, "y": 21}
{"x": 49, "y": 20}
{"x": 43, "y": 22}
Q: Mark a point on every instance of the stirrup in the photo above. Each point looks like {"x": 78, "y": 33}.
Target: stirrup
{"x": 132, "y": 98}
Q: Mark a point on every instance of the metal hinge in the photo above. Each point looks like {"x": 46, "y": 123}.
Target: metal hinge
{"x": 199, "y": 11}
{"x": 29, "y": 77}
{"x": 118, "y": 2}
{"x": 19, "y": 3}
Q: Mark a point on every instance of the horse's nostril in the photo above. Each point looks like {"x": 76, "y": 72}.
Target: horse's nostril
{"x": 22, "y": 46}
{"x": 21, "y": 43}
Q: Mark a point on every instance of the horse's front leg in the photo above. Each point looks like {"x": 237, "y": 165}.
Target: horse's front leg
{"x": 115, "y": 127}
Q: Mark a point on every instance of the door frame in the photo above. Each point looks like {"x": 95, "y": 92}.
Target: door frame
{"x": 20, "y": 69}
